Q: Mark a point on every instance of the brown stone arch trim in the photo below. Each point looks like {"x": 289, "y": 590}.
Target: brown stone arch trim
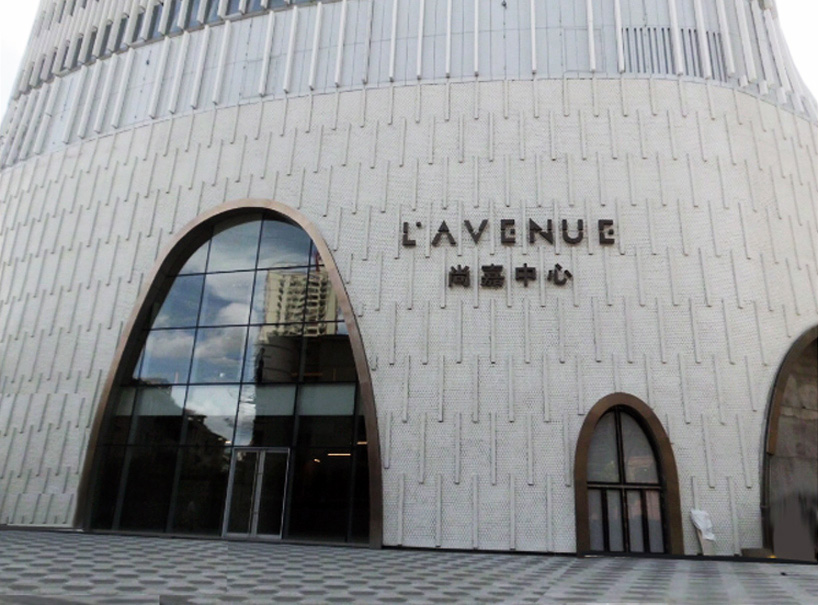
{"x": 170, "y": 260}
{"x": 777, "y": 390}
{"x": 664, "y": 451}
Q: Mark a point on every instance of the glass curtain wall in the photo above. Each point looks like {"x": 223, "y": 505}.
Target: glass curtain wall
{"x": 245, "y": 357}
{"x": 625, "y": 493}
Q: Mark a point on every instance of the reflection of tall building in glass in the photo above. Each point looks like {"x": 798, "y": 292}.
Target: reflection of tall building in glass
{"x": 295, "y": 303}
{"x": 293, "y": 298}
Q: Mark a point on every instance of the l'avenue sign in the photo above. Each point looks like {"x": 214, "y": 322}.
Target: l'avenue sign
{"x": 493, "y": 276}
{"x": 571, "y": 232}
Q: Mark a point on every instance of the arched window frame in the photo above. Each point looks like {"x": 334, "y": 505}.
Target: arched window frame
{"x": 660, "y": 442}
{"x": 777, "y": 392}
{"x": 157, "y": 283}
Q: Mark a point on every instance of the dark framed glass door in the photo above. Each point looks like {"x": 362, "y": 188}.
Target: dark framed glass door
{"x": 255, "y": 493}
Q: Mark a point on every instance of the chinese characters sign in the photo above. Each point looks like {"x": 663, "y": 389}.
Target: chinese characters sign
{"x": 493, "y": 276}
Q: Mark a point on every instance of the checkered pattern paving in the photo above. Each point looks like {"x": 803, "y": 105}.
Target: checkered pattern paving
{"x": 49, "y": 568}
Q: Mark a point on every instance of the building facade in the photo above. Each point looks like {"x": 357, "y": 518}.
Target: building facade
{"x": 527, "y": 275}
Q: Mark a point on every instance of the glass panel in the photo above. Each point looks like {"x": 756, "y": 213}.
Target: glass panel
{"x": 211, "y": 414}
{"x": 283, "y": 245}
{"x": 234, "y": 245}
{"x": 173, "y": 18}
{"x": 198, "y": 261}
{"x": 156, "y": 19}
{"x": 192, "y": 16}
{"x": 328, "y": 358}
{"x": 640, "y": 463}
{"x": 320, "y": 494}
{"x": 241, "y": 501}
{"x": 226, "y": 300}
{"x": 201, "y": 492}
{"x": 254, "y": 6}
{"x": 325, "y": 414}
{"x": 280, "y": 297}
{"x": 616, "y": 541}
{"x": 148, "y": 489}
{"x": 181, "y": 306}
{"x": 212, "y": 11}
{"x": 107, "y": 486}
{"x": 272, "y": 355}
{"x": 232, "y": 7}
{"x": 158, "y": 416}
{"x": 271, "y": 497}
{"x": 655, "y": 525}
{"x": 265, "y": 415}
{"x": 635, "y": 528}
{"x": 595, "y": 525}
{"x": 603, "y": 465}
{"x": 166, "y": 357}
{"x": 121, "y": 421}
{"x": 218, "y": 355}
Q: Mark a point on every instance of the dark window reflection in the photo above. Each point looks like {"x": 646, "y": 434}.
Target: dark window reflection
{"x": 108, "y": 482}
{"x": 201, "y": 490}
{"x": 320, "y": 494}
{"x": 325, "y": 415}
{"x": 265, "y": 416}
{"x": 329, "y": 357}
{"x": 272, "y": 354}
{"x": 148, "y": 482}
{"x": 158, "y": 415}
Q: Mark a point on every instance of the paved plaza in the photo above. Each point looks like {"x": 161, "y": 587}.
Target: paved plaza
{"x": 60, "y": 568}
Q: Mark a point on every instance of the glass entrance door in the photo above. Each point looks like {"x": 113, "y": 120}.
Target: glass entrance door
{"x": 256, "y": 491}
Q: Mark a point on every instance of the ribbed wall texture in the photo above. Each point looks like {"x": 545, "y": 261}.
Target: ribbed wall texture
{"x": 710, "y": 181}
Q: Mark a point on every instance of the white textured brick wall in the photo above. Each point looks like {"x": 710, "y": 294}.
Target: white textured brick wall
{"x": 480, "y": 394}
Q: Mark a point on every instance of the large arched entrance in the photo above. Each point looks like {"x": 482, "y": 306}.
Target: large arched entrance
{"x": 626, "y": 484}
{"x": 240, "y": 403}
{"x": 790, "y": 489}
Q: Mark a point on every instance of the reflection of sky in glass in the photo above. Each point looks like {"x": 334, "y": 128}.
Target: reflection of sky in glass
{"x": 217, "y": 404}
{"x": 234, "y": 248}
{"x": 283, "y": 245}
{"x": 226, "y": 299}
{"x": 218, "y": 355}
{"x": 181, "y": 305}
{"x": 166, "y": 358}
{"x": 197, "y": 262}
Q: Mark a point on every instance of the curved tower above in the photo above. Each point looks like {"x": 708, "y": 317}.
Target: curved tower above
{"x": 558, "y": 283}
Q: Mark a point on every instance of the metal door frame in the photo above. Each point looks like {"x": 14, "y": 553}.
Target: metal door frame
{"x": 256, "y": 497}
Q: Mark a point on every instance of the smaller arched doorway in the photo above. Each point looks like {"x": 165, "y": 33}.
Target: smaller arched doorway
{"x": 790, "y": 493}
{"x": 627, "y": 489}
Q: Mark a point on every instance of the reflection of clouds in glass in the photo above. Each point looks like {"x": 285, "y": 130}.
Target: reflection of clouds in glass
{"x": 233, "y": 313}
{"x": 166, "y": 344}
{"x": 220, "y": 343}
{"x": 218, "y": 355}
{"x": 235, "y": 247}
{"x": 227, "y": 298}
{"x": 283, "y": 245}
